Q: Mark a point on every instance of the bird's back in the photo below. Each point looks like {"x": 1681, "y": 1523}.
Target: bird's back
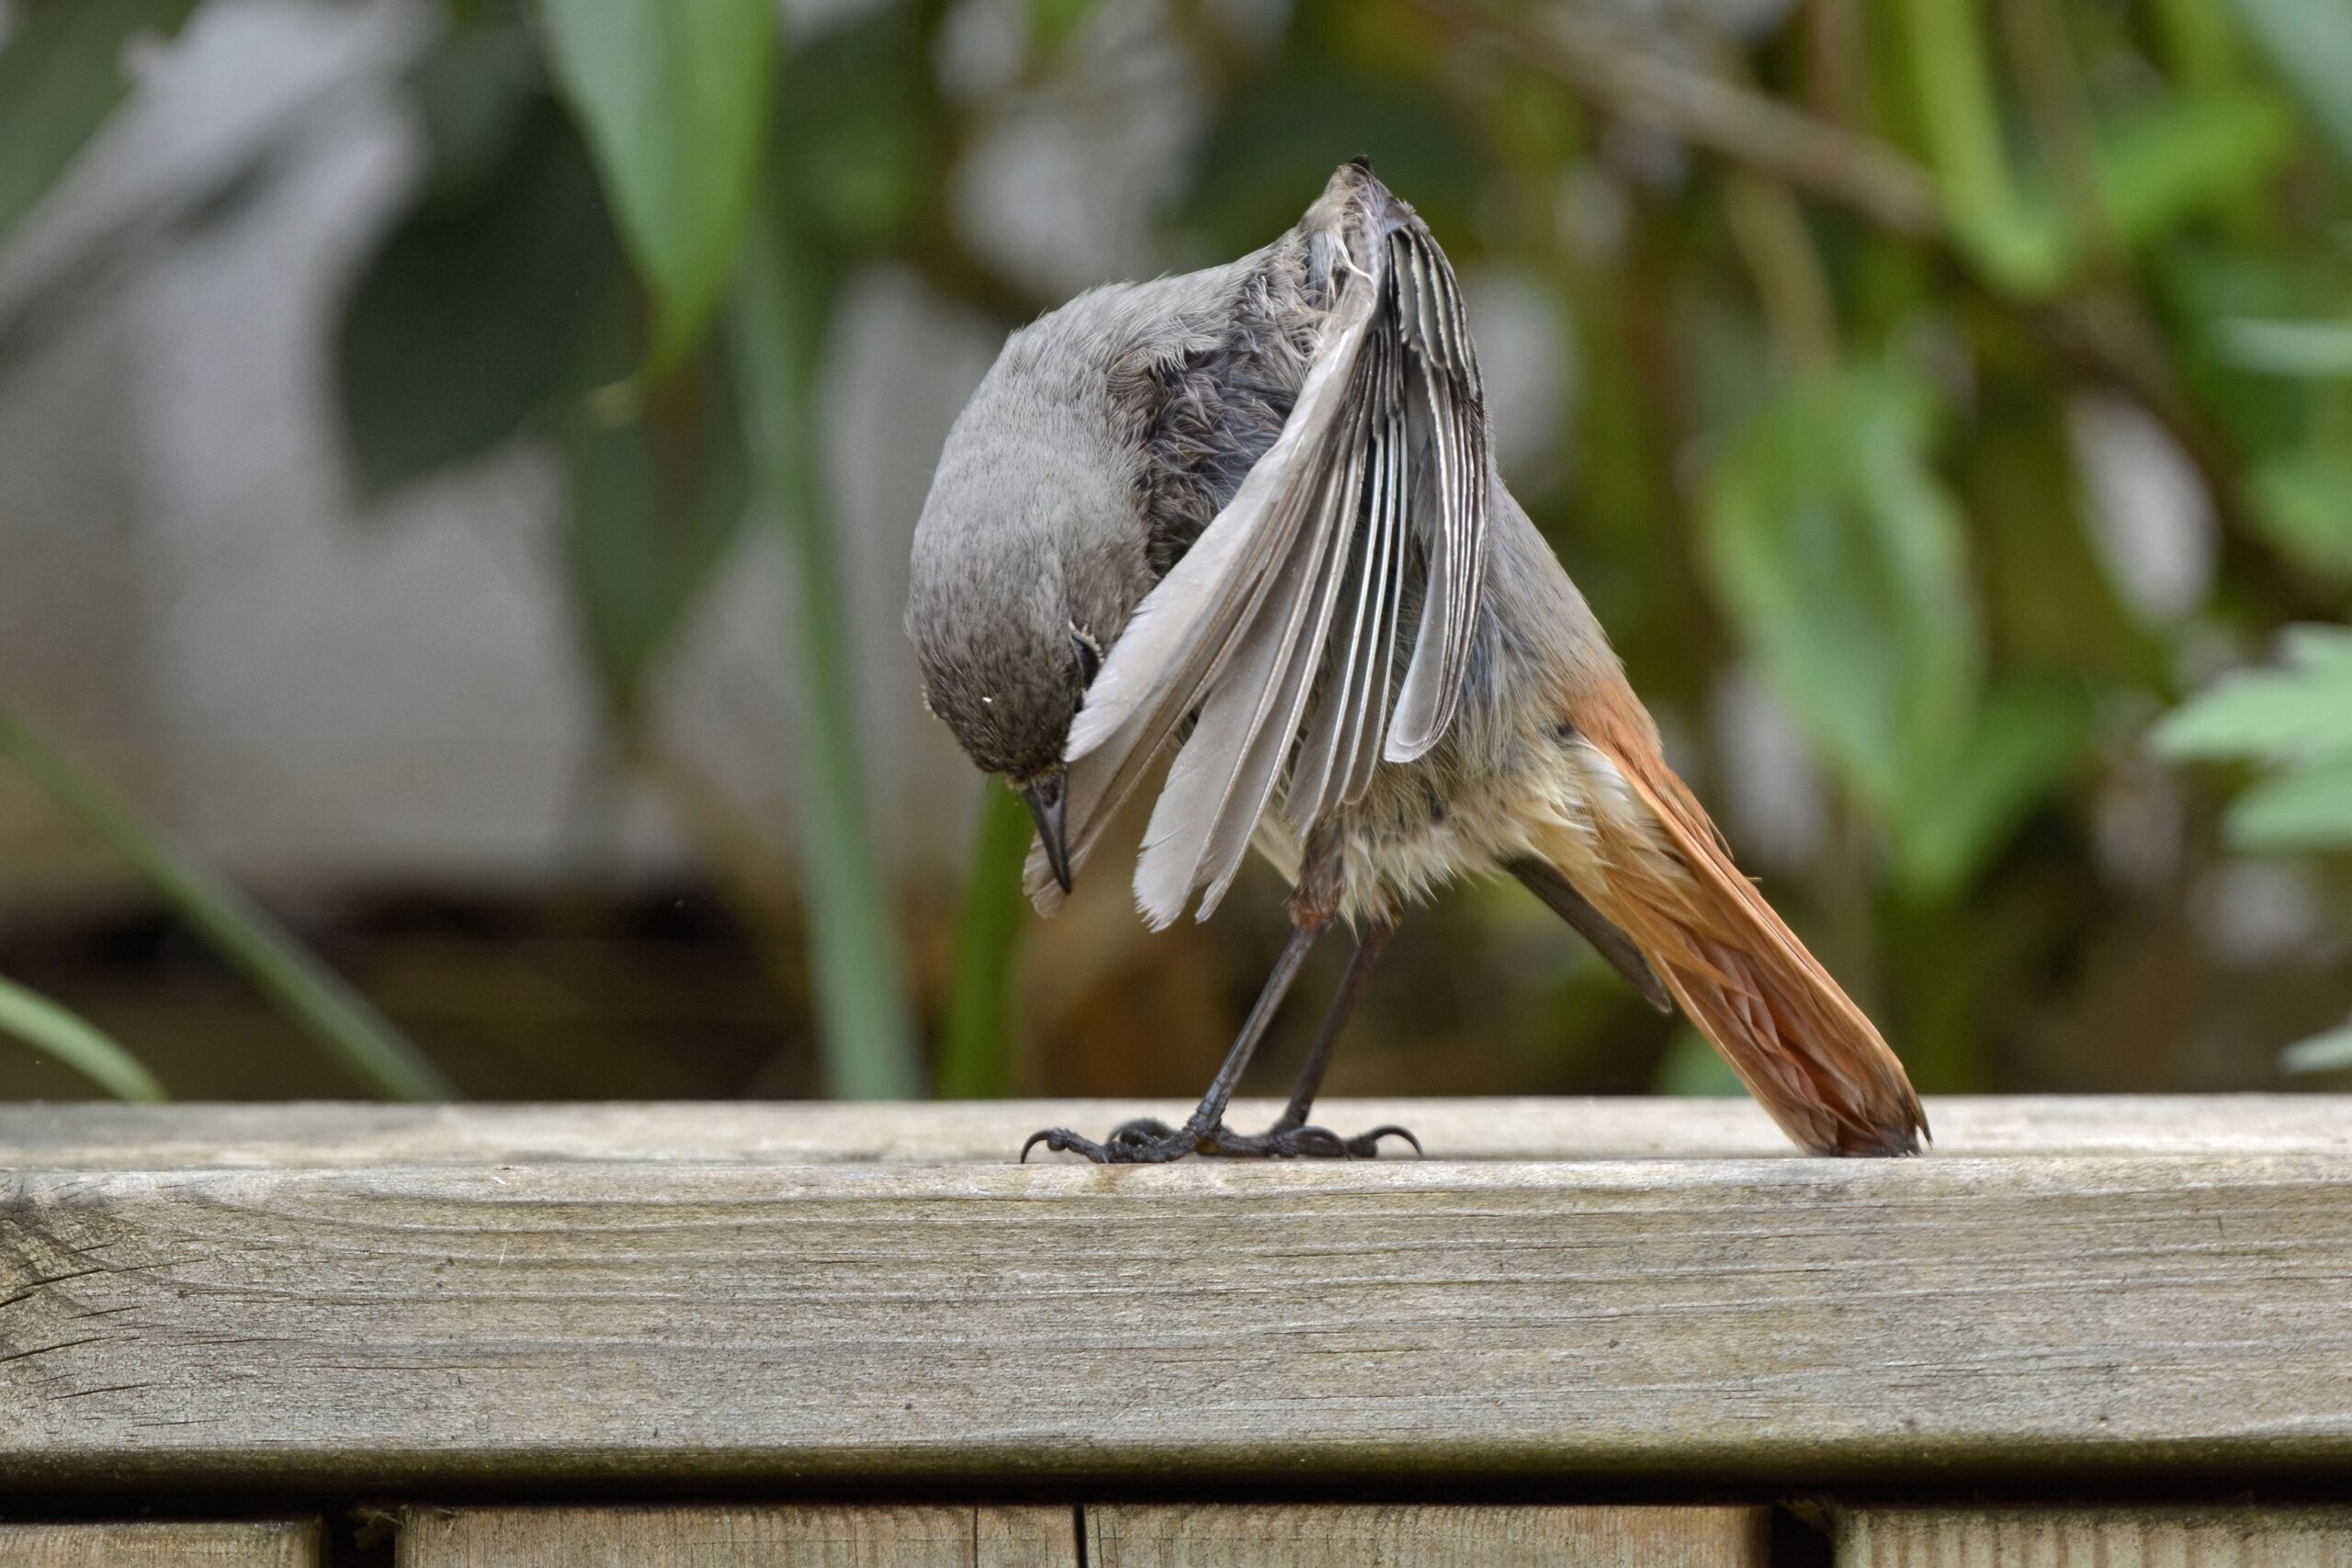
{"x": 1194, "y": 374}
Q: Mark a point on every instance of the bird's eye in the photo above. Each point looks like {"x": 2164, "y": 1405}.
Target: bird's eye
{"x": 1089, "y": 656}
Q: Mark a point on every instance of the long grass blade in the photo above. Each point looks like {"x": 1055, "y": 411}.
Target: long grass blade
{"x": 774, "y": 335}
{"x": 246, "y": 937}
{"x": 975, "y": 1058}
{"x": 77, "y": 1041}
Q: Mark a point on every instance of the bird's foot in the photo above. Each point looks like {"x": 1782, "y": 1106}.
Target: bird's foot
{"x": 1150, "y": 1142}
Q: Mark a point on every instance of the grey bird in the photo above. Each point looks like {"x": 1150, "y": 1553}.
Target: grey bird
{"x": 1250, "y": 515}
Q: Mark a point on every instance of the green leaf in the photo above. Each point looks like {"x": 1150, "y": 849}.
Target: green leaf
{"x": 77, "y": 1041}
{"x": 651, "y": 508}
{"x": 2305, "y": 808}
{"x": 1839, "y": 556}
{"x": 2154, "y": 172}
{"x": 477, "y": 91}
{"x": 2318, "y": 646}
{"x": 2029, "y": 735}
{"x": 2328, "y": 1053}
{"x": 2188, "y": 154}
{"x": 2299, "y": 715}
{"x": 2302, "y": 710}
{"x": 246, "y": 936}
{"x": 2313, "y": 351}
{"x": 61, "y": 76}
{"x": 674, "y": 96}
{"x": 975, "y": 1057}
{"x": 2206, "y": 287}
{"x": 480, "y": 310}
{"x": 2308, "y": 43}
{"x": 2302, "y": 502}
{"x": 859, "y": 130}
{"x": 2021, "y": 246}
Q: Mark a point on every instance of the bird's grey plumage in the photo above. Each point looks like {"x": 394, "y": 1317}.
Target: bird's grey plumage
{"x": 1093, "y": 452}
{"x": 1376, "y": 482}
{"x": 1140, "y": 420}
{"x": 1262, "y": 496}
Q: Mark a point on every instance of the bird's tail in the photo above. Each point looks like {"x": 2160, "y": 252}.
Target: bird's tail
{"x": 1643, "y": 853}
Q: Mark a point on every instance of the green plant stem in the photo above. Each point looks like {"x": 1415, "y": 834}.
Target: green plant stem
{"x": 1957, "y": 109}
{"x": 1960, "y": 118}
{"x": 975, "y": 1057}
{"x": 2200, "y": 43}
{"x": 77, "y": 1041}
{"x": 775, "y": 337}
{"x": 246, "y": 937}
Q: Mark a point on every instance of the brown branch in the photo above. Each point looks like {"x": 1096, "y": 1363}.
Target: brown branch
{"x": 1769, "y": 231}
{"x": 1730, "y": 121}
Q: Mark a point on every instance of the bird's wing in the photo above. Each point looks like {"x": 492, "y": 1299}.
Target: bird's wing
{"x": 1283, "y": 628}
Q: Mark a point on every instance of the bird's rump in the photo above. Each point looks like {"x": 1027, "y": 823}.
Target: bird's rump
{"x": 1282, "y": 632}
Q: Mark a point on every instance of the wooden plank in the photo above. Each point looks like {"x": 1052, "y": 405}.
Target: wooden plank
{"x": 740, "y": 1538}
{"x": 1815, "y": 1320}
{"x": 103, "y": 1137}
{"x": 1437, "y": 1537}
{"x": 2095, "y": 1537}
{"x": 278, "y": 1544}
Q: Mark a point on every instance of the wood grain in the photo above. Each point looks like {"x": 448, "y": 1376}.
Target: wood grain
{"x": 1437, "y": 1537}
{"x": 155, "y": 1138}
{"x": 740, "y": 1538}
{"x": 2095, "y": 1537}
{"x": 1718, "y": 1321}
{"x": 279, "y": 1544}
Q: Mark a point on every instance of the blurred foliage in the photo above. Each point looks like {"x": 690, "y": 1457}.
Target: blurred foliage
{"x": 1841, "y": 559}
{"x": 61, "y": 75}
{"x": 77, "y": 1041}
{"x": 975, "y": 1039}
{"x": 776, "y": 335}
{"x": 1973, "y": 380}
{"x": 2327, "y": 1053}
{"x": 2298, "y": 721}
{"x": 2295, "y": 723}
{"x": 336, "y": 1018}
{"x": 673, "y": 96}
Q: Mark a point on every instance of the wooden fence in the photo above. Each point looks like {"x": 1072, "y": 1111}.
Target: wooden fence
{"x": 2082, "y": 1334}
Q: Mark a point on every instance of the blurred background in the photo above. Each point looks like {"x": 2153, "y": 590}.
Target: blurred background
{"x": 457, "y": 463}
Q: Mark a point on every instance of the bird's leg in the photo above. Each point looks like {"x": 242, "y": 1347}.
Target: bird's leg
{"x": 1369, "y": 947}
{"x": 1290, "y": 1135}
{"x": 1313, "y": 906}
{"x": 1152, "y": 1142}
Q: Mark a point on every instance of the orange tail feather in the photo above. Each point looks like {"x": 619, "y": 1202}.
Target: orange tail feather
{"x": 1796, "y": 1039}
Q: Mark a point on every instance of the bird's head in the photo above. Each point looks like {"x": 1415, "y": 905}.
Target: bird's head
{"x": 1028, "y": 560}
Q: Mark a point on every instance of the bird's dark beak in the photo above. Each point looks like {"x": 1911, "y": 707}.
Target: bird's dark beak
{"x": 1049, "y": 807}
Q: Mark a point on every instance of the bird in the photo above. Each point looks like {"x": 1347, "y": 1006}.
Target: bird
{"x": 1248, "y": 518}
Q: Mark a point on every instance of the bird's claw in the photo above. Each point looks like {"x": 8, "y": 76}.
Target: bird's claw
{"x": 1310, "y": 1141}
{"x": 1366, "y": 1146}
{"x": 1146, "y": 1141}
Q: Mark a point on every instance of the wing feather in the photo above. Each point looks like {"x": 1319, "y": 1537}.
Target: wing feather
{"x": 1372, "y": 498}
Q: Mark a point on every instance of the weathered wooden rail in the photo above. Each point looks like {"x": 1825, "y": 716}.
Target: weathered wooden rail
{"x": 1629, "y": 1332}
